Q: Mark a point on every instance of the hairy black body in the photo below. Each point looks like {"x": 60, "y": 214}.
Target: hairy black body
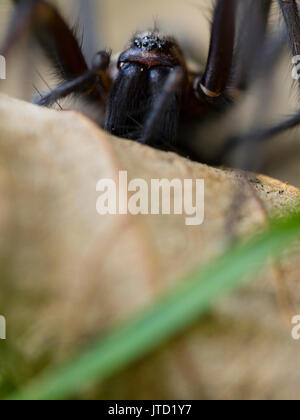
{"x": 152, "y": 90}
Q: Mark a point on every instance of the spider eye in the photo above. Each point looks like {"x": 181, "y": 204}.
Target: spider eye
{"x": 137, "y": 43}
{"x": 152, "y": 45}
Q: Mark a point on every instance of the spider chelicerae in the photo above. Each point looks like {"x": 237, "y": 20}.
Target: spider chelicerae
{"x": 150, "y": 92}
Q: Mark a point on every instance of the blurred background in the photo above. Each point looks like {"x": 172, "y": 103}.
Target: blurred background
{"x": 111, "y": 23}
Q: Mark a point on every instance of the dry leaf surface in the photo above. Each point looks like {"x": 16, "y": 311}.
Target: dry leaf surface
{"x": 68, "y": 274}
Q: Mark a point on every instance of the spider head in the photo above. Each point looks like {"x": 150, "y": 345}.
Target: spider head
{"x": 152, "y": 49}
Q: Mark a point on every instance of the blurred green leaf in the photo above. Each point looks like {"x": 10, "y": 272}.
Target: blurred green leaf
{"x": 170, "y": 316}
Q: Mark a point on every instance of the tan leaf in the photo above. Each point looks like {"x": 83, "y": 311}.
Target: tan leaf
{"x": 68, "y": 274}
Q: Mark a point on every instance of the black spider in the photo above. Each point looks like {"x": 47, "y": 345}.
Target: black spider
{"x": 150, "y": 92}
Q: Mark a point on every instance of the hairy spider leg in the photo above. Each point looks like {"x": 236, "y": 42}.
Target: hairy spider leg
{"x": 291, "y": 17}
{"x": 41, "y": 20}
{"x": 161, "y": 124}
{"x": 209, "y": 93}
{"x": 88, "y": 83}
{"x": 20, "y": 24}
{"x": 292, "y": 21}
{"x": 251, "y": 35}
{"x": 219, "y": 63}
{"x": 127, "y": 102}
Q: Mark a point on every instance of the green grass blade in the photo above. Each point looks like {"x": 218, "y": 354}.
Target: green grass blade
{"x": 170, "y": 316}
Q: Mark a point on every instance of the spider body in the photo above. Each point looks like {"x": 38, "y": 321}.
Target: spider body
{"x": 150, "y": 92}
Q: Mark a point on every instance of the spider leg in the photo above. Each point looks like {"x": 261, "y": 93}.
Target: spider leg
{"x": 64, "y": 90}
{"x": 87, "y": 83}
{"x": 91, "y": 35}
{"x": 144, "y": 104}
{"x": 250, "y": 40}
{"x": 41, "y": 20}
{"x": 290, "y": 13}
{"x": 165, "y": 105}
{"x": 229, "y": 67}
{"x": 238, "y": 34}
{"x": 268, "y": 60}
{"x": 292, "y": 20}
{"x": 19, "y": 24}
{"x": 220, "y": 57}
{"x": 263, "y": 134}
{"x": 127, "y": 102}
